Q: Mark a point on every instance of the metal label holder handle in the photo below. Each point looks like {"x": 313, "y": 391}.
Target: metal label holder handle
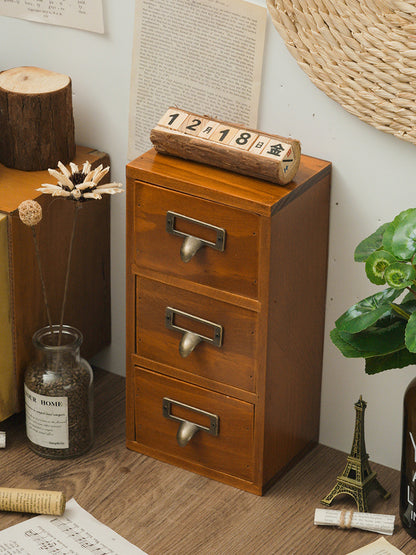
{"x": 192, "y": 244}
{"x": 191, "y": 339}
{"x": 188, "y": 429}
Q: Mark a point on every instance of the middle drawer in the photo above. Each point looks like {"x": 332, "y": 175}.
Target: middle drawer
{"x": 195, "y": 333}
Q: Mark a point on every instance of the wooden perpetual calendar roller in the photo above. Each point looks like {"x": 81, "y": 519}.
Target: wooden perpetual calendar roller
{"x": 228, "y": 146}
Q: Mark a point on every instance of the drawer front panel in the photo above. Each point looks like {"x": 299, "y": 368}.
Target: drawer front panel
{"x": 220, "y": 242}
{"x": 170, "y": 319}
{"x": 230, "y": 450}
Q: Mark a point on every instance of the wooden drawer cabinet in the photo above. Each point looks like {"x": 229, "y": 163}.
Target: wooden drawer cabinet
{"x": 226, "y": 283}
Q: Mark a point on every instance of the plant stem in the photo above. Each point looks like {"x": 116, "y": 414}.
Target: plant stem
{"x": 42, "y": 280}
{"x": 400, "y": 311}
{"x": 68, "y": 268}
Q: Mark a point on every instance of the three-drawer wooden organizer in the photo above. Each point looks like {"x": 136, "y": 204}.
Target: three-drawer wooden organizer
{"x": 226, "y": 283}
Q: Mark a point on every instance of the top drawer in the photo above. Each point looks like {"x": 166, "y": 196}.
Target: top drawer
{"x": 196, "y": 226}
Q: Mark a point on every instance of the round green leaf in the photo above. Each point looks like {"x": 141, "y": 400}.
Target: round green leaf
{"x": 399, "y": 275}
{"x": 376, "y": 264}
{"x": 399, "y": 359}
{"x": 366, "y": 312}
{"x": 386, "y": 336}
{"x": 346, "y": 349}
{"x": 391, "y": 228}
{"x": 410, "y": 334}
{"x": 370, "y": 244}
{"x": 400, "y": 236}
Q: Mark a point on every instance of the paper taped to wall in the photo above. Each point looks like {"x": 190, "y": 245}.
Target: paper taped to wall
{"x": 80, "y": 14}
{"x": 205, "y": 56}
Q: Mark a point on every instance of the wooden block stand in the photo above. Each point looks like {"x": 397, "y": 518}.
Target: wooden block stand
{"x": 236, "y": 268}
{"x": 23, "y": 310}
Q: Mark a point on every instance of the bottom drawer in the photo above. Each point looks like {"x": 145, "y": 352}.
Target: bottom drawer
{"x": 229, "y": 449}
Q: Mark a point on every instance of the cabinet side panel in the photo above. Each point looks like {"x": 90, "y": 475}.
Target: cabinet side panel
{"x": 130, "y": 309}
{"x": 298, "y": 274}
{"x": 7, "y": 374}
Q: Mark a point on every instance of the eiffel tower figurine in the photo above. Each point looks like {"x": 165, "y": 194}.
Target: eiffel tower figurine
{"x": 357, "y": 478}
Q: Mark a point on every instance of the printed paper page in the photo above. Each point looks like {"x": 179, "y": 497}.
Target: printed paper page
{"x": 379, "y": 547}
{"x": 204, "y": 56}
{"x": 81, "y": 14}
{"x": 76, "y": 532}
{"x": 379, "y": 523}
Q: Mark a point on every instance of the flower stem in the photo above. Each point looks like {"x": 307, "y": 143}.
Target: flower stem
{"x": 42, "y": 280}
{"x": 68, "y": 268}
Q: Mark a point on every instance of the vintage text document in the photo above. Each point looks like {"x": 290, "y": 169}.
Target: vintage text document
{"x": 204, "y": 56}
{"x": 81, "y": 14}
{"x": 76, "y": 532}
{"x": 379, "y": 547}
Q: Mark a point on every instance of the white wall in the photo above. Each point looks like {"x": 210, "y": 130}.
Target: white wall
{"x": 373, "y": 179}
{"x": 99, "y": 66}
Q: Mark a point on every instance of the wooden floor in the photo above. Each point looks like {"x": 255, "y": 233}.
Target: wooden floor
{"x": 169, "y": 511}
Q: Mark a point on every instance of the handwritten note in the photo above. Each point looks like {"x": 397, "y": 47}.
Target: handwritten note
{"x": 81, "y": 14}
{"x": 76, "y": 532}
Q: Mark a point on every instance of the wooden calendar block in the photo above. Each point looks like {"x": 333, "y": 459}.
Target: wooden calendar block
{"x": 277, "y": 150}
{"x": 259, "y": 144}
{"x": 219, "y": 143}
{"x": 193, "y": 125}
{"x": 224, "y": 134}
{"x": 208, "y": 129}
{"x": 173, "y": 119}
{"x": 243, "y": 139}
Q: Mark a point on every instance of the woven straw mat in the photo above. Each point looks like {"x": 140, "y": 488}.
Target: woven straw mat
{"x": 361, "y": 53}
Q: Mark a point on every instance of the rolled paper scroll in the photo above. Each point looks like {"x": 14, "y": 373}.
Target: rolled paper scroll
{"x": 381, "y": 524}
{"x": 32, "y": 501}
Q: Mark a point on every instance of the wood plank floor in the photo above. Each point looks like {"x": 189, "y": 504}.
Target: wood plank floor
{"x": 166, "y": 510}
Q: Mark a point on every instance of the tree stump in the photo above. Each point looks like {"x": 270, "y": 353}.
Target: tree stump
{"x": 36, "y": 119}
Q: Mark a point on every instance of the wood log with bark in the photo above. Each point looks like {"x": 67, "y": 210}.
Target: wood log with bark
{"x": 228, "y": 146}
{"x": 36, "y": 118}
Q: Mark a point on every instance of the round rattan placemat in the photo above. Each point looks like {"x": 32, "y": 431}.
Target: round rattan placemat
{"x": 361, "y": 53}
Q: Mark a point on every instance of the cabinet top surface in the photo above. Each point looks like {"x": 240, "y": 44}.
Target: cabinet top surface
{"x": 17, "y": 185}
{"x": 225, "y": 186}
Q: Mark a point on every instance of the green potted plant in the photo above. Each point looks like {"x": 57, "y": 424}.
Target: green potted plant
{"x": 381, "y": 329}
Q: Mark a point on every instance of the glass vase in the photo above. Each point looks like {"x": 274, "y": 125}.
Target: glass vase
{"x": 58, "y": 395}
{"x": 408, "y": 466}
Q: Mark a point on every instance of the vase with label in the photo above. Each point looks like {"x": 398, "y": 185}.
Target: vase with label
{"x": 58, "y": 395}
{"x": 408, "y": 467}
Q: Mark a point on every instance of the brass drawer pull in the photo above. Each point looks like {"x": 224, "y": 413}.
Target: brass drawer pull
{"x": 191, "y": 339}
{"x": 187, "y": 429}
{"x": 191, "y": 244}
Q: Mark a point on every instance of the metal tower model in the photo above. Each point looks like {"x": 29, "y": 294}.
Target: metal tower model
{"x": 357, "y": 479}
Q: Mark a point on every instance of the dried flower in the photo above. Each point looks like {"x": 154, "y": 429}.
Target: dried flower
{"x": 30, "y": 212}
{"x": 80, "y": 184}
{"x": 73, "y": 184}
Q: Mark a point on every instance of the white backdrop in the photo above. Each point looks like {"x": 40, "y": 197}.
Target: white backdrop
{"x": 373, "y": 180}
